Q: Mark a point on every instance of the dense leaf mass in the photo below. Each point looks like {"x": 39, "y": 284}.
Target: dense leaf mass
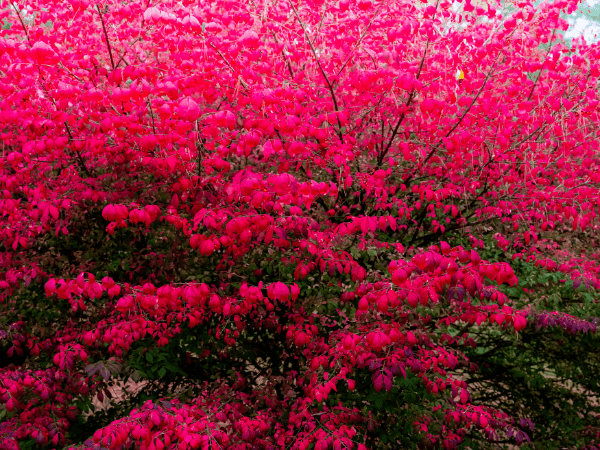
{"x": 297, "y": 224}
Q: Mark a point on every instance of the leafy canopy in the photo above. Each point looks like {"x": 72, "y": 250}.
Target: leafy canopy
{"x": 297, "y": 224}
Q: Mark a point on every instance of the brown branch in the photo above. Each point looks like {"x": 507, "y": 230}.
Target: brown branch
{"x": 81, "y": 163}
{"x": 201, "y": 149}
{"x": 151, "y": 114}
{"x": 122, "y": 57}
{"x": 329, "y": 85}
{"x": 112, "y": 61}
{"x": 22, "y": 23}
{"x": 242, "y": 82}
{"x": 287, "y": 61}
{"x": 542, "y": 68}
{"x": 362, "y": 36}
{"x": 409, "y": 100}
{"x": 464, "y": 114}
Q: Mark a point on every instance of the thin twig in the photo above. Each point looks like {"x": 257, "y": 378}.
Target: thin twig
{"x": 409, "y": 100}
{"x": 22, "y": 23}
{"x": 81, "y": 163}
{"x": 243, "y": 83}
{"x": 287, "y": 61}
{"x": 542, "y": 68}
{"x": 112, "y": 61}
{"x": 362, "y": 36}
{"x": 411, "y": 97}
{"x": 464, "y": 114}
{"x": 151, "y": 115}
{"x": 329, "y": 85}
{"x": 201, "y": 149}
{"x": 122, "y": 57}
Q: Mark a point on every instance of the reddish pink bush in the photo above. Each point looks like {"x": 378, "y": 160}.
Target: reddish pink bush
{"x": 304, "y": 225}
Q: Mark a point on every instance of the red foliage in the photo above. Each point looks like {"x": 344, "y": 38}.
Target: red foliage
{"x": 334, "y": 145}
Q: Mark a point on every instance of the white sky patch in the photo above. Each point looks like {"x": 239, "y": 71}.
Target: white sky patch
{"x": 583, "y": 26}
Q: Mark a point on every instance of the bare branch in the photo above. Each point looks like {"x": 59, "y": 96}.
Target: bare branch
{"x": 329, "y": 84}
{"x": 21, "y": 20}
{"x": 362, "y": 36}
{"x": 112, "y": 61}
